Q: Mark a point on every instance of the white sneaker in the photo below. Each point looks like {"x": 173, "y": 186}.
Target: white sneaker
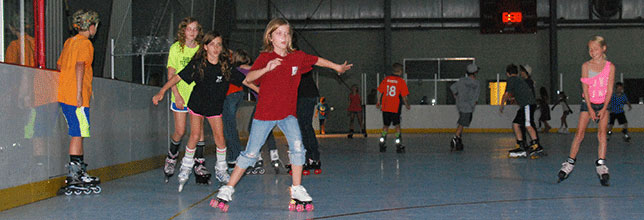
{"x": 299, "y": 193}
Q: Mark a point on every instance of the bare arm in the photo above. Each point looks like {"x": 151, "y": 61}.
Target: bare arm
{"x": 255, "y": 74}
{"x": 584, "y": 74}
{"x": 171, "y": 83}
{"x": 340, "y": 68}
{"x": 251, "y": 86}
{"x": 80, "y": 71}
{"x": 378, "y": 100}
{"x": 404, "y": 98}
{"x": 177, "y": 97}
{"x": 609, "y": 92}
{"x": 505, "y": 98}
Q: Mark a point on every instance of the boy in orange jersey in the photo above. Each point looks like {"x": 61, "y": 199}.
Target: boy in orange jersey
{"x": 74, "y": 93}
{"x": 391, "y": 91}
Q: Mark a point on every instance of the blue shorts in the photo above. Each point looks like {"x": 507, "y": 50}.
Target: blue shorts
{"x": 77, "y": 120}
{"x": 173, "y": 107}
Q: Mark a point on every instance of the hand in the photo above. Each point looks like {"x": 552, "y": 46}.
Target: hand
{"x": 158, "y": 97}
{"x": 343, "y": 68}
{"x": 273, "y": 63}
{"x": 501, "y": 109}
{"x": 408, "y": 106}
{"x": 602, "y": 113}
{"x": 629, "y": 108}
{"x": 593, "y": 114}
{"x": 79, "y": 100}
{"x": 378, "y": 105}
{"x": 552, "y": 109}
{"x": 178, "y": 101}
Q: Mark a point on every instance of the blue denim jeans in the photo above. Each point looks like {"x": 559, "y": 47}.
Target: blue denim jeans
{"x": 270, "y": 141}
{"x": 258, "y": 134}
{"x": 305, "y": 111}
{"x": 229, "y": 115}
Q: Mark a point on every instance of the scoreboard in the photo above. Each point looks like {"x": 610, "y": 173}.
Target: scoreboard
{"x": 508, "y": 16}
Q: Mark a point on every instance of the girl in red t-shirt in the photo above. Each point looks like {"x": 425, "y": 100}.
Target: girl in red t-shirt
{"x": 355, "y": 109}
{"x": 277, "y": 71}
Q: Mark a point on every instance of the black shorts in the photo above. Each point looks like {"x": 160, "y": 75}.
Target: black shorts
{"x": 464, "y": 119}
{"x": 389, "y": 117}
{"x": 621, "y": 118}
{"x": 525, "y": 116}
{"x": 322, "y": 121}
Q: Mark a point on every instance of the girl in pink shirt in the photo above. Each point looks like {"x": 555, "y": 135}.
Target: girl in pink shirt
{"x": 597, "y": 77}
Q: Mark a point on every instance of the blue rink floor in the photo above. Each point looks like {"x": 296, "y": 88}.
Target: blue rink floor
{"x": 358, "y": 182}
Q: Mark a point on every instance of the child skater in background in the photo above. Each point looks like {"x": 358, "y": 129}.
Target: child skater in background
{"x": 181, "y": 52}
{"x": 321, "y": 111}
{"x": 277, "y": 70}
{"x": 355, "y": 110}
{"x": 392, "y": 93}
{"x": 544, "y": 108}
{"x": 565, "y": 108}
{"x": 617, "y": 111}
{"x": 211, "y": 71}
{"x": 597, "y": 77}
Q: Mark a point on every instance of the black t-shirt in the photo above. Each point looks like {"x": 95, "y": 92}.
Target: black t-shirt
{"x": 207, "y": 97}
{"x": 307, "y": 88}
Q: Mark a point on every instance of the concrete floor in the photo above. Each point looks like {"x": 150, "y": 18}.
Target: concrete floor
{"x": 358, "y": 182}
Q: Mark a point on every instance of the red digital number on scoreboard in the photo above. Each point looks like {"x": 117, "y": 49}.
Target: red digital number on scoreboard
{"x": 512, "y": 17}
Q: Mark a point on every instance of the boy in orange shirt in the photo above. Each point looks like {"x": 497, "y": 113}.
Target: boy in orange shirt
{"x": 394, "y": 89}
{"x": 75, "y": 90}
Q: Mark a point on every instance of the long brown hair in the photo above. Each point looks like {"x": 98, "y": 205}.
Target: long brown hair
{"x": 240, "y": 57}
{"x": 270, "y": 28}
{"x": 181, "y": 34}
{"x": 202, "y": 56}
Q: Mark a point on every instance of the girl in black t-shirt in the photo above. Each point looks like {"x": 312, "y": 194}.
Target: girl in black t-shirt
{"x": 211, "y": 72}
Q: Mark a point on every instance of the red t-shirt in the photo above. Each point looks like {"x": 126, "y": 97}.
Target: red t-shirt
{"x": 391, "y": 88}
{"x": 278, "y": 94}
{"x": 354, "y": 103}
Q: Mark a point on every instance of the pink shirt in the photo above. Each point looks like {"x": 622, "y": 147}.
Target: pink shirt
{"x": 598, "y": 85}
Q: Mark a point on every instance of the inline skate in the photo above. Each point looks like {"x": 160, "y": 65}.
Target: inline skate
{"x": 202, "y": 175}
{"x": 79, "y": 182}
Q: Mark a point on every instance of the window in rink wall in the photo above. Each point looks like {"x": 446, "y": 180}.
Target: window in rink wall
{"x": 429, "y": 79}
{"x": 496, "y": 91}
{"x": 18, "y": 45}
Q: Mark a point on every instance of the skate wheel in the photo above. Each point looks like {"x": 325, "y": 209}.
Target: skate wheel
{"x": 77, "y": 192}
{"x": 306, "y": 172}
{"x": 97, "y": 189}
{"x": 261, "y": 172}
{"x": 87, "y": 191}
{"x": 225, "y": 208}
{"x": 309, "y": 207}
{"x": 299, "y": 208}
{"x": 291, "y": 206}
{"x": 254, "y": 172}
{"x": 290, "y": 172}
{"x": 68, "y": 192}
{"x": 317, "y": 171}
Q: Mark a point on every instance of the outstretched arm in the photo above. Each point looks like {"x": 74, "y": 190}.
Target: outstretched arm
{"x": 159, "y": 96}
{"x": 340, "y": 68}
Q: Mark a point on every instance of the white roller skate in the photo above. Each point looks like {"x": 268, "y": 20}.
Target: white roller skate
{"x": 202, "y": 175}
{"x": 224, "y": 196}
{"x": 602, "y": 172}
{"x": 169, "y": 167}
{"x": 300, "y": 200}
{"x": 185, "y": 171}
{"x": 566, "y": 169}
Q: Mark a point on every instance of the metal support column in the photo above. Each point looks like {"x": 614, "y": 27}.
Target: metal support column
{"x": 553, "y": 48}
{"x": 387, "y": 37}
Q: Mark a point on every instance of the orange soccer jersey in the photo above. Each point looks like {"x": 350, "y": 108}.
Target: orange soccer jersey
{"x": 392, "y": 87}
{"x": 76, "y": 49}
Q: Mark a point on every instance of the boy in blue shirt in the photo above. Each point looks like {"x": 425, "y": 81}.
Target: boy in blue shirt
{"x": 616, "y": 108}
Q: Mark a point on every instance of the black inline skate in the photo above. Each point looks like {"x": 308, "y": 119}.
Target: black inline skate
{"x": 536, "y": 151}
{"x": 627, "y": 138}
{"x": 79, "y": 182}
{"x": 456, "y": 144}
{"x": 202, "y": 175}
{"x": 258, "y": 169}
{"x": 400, "y": 148}
{"x": 276, "y": 164}
{"x": 382, "y": 140}
{"x": 350, "y": 135}
{"x": 518, "y": 152}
